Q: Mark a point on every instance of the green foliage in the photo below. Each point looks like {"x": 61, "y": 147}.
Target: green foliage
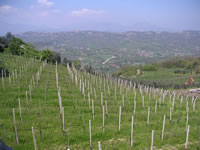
{"x": 2, "y": 48}
{"x": 150, "y": 67}
{"x": 174, "y": 63}
{"x": 56, "y": 57}
{"x": 180, "y": 71}
{"x": 77, "y": 64}
{"x": 15, "y": 46}
{"x": 5, "y": 40}
{"x": 47, "y": 55}
{"x": 9, "y": 37}
{"x": 126, "y": 71}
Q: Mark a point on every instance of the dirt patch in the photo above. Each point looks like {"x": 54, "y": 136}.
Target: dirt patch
{"x": 186, "y": 92}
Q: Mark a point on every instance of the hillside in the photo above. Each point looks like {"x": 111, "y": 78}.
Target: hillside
{"x": 52, "y": 107}
{"x": 170, "y": 73}
{"x": 93, "y": 48}
{"x": 11, "y": 45}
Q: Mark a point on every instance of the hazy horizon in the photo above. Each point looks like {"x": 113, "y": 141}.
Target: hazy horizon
{"x": 113, "y": 15}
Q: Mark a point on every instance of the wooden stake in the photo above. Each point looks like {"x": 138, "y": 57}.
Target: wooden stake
{"x": 92, "y": 109}
{"x": 63, "y": 120}
{"x": 90, "y": 129}
{"x": 132, "y": 126}
{"x": 134, "y": 111}
{"x": 27, "y": 99}
{"x": 30, "y": 93}
{"x": 14, "y": 120}
{"x": 181, "y": 100}
{"x": 9, "y": 80}
{"x": 148, "y": 116}
{"x": 20, "y": 110}
{"x": 101, "y": 99}
{"x": 34, "y": 139}
{"x": 187, "y": 136}
{"x": 187, "y": 120}
{"x": 152, "y": 139}
{"x": 170, "y": 114}
{"x": 3, "y": 84}
{"x": 194, "y": 104}
{"x": 142, "y": 101}
{"x": 120, "y": 111}
{"x": 103, "y": 118}
{"x": 173, "y": 102}
{"x": 106, "y": 108}
{"x": 99, "y": 144}
{"x": 89, "y": 99}
{"x": 163, "y": 129}
{"x": 156, "y": 106}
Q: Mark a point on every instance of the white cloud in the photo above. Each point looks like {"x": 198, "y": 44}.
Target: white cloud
{"x": 85, "y": 11}
{"x": 6, "y": 9}
{"x": 45, "y": 3}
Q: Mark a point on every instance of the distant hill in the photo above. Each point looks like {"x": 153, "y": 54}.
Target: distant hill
{"x": 94, "y": 48}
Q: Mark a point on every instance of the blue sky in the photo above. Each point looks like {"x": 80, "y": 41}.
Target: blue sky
{"x": 104, "y": 15}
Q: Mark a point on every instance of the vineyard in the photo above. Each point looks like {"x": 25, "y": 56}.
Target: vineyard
{"x": 50, "y": 106}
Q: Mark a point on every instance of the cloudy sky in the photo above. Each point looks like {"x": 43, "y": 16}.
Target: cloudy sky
{"x": 106, "y": 15}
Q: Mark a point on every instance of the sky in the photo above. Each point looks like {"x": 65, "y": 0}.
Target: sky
{"x": 103, "y": 15}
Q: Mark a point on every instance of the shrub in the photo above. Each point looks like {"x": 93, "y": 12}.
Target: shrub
{"x": 47, "y": 55}
{"x": 56, "y": 58}
{"x": 150, "y": 68}
{"x": 174, "y": 63}
{"x": 178, "y": 71}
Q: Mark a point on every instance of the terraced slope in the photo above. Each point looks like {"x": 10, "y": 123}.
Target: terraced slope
{"x": 42, "y": 109}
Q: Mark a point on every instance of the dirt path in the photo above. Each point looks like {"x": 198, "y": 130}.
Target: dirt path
{"x": 186, "y": 92}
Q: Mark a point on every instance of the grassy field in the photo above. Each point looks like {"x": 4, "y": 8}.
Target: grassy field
{"x": 162, "y": 76}
{"x": 42, "y": 112}
{"x": 167, "y": 76}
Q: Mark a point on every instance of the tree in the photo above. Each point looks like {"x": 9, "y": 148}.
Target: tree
{"x": 56, "y": 57}
{"x": 3, "y": 44}
{"x": 77, "y": 64}
{"x": 9, "y": 37}
{"x": 15, "y": 46}
{"x": 1, "y": 48}
{"x": 65, "y": 61}
{"x": 47, "y": 55}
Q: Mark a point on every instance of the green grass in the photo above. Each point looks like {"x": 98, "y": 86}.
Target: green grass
{"x": 44, "y": 114}
{"x": 167, "y": 75}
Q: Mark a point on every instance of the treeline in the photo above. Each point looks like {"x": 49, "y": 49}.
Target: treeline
{"x": 15, "y": 46}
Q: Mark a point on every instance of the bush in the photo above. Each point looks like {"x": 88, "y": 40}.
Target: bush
{"x": 66, "y": 61}
{"x": 174, "y": 63}
{"x": 77, "y": 64}
{"x": 56, "y": 57}
{"x": 178, "y": 71}
{"x": 47, "y": 55}
{"x": 150, "y": 68}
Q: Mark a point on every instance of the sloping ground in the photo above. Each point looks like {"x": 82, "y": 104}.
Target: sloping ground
{"x": 41, "y": 111}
